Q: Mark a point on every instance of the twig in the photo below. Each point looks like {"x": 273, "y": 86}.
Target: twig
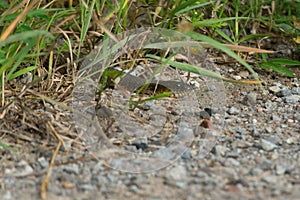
{"x": 45, "y": 182}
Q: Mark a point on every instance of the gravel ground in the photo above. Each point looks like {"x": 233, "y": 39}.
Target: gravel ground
{"x": 256, "y": 157}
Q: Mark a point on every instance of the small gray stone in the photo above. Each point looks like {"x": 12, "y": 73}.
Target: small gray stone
{"x": 232, "y": 162}
{"x": 267, "y": 145}
{"x": 292, "y": 99}
{"x": 234, "y": 111}
{"x": 181, "y": 184}
{"x": 275, "y": 117}
{"x": 292, "y": 140}
{"x": 88, "y": 187}
{"x": 277, "y": 84}
{"x": 236, "y": 77}
{"x": 186, "y": 154}
{"x": 232, "y": 154}
{"x": 241, "y": 144}
{"x": 112, "y": 178}
{"x": 278, "y": 130}
{"x": 274, "y": 89}
{"x": 280, "y": 169}
{"x": 134, "y": 189}
{"x": 241, "y": 131}
{"x": 296, "y": 90}
{"x": 274, "y": 139}
{"x": 24, "y": 168}
{"x": 204, "y": 115}
{"x": 231, "y": 172}
{"x": 270, "y": 179}
{"x": 220, "y": 150}
{"x": 71, "y": 168}
{"x": 244, "y": 93}
{"x": 256, "y": 171}
{"x": 178, "y": 173}
{"x": 251, "y": 98}
{"x": 43, "y": 162}
{"x": 284, "y": 93}
{"x": 268, "y": 129}
{"x": 266, "y": 165}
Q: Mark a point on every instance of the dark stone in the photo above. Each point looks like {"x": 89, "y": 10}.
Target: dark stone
{"x": 284, "y": 93}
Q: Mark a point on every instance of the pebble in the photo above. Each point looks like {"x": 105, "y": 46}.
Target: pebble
{"x": 231, "y": 172}
{"x": 293, "y": 99}
{"x": 87, "y": 187}
{"x": 186, "y": 154}
{"x": 274, "y": 156}
{"x": 220, "y": 150}
{"x": 71, "y": 168}
{"x": 134, "y": 189}
{"x": 181, "y": 184}
{"x": 232, "y": 154}
{"x": 274, "y": 89}
{"x": 280, "y": 169}
{"x": 244, "y": 74}
{"x": 276, "y": 118}
{"x": 274, "y": 139}
{"x": 24, "y": 168}
{"x": 268, "y": 129}
{"x": 241, "y": 131}
{"x": 43, "y": 162}
{"x": 270, "y": 179}
{"x": 256, "y": 171}
{"x": 292, "y": 140}
{"x": 232, "y": 162}
{"x": 266, "y": 165}
{"x": 241, "y": 144}
{"x": 251, "y": 98}
{"x": 236, "y": 77}
{"x": 234, "y": 111}
{"x": 296, "y": 90}
{"x": 177, "y": 173}
{"x": 284, "y": 93}
{"x": 267, "y": 145}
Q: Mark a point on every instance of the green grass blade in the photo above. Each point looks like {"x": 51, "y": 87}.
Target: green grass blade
{"x": 7, "y": 147}
{"x": 186, "y": 9}
{"x": 181, "y": 6}
{"x": 25, "y": 35}
{"x": 226, "y": 50}
{"x": 277, "y": 68}
{"x": 222, "y": 34}
{"x": 86, "y": 19}
{"x": 19, "y": 58}
{"x": 281, "y": 61}
{"x": 215, "y": 22}
{"x": 189, "y": 68}
{"x": 21, "y": 72}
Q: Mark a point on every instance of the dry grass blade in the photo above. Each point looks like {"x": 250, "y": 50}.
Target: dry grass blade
{"x": 238, "y": 48}
{"x": 45, "y": 182}
{"x": 12, "y": 26}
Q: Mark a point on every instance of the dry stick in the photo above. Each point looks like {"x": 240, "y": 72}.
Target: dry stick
{"x": 12, "y": 26}
{"x": 56, "y": 135}
{"x": 238, "y": 48}
{"x": 45, "y": 182}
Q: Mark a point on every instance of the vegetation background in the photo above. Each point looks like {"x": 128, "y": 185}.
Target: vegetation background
{"x": 43, "y": 42}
